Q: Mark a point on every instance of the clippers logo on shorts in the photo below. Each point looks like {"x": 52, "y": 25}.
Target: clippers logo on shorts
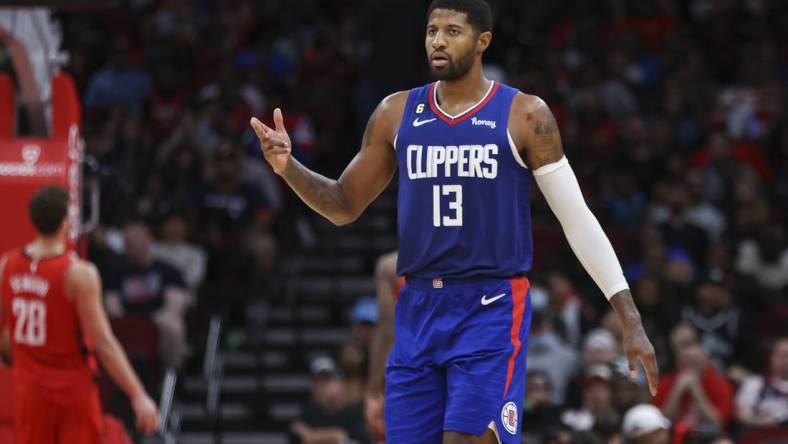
{"x": 509, "y": 417}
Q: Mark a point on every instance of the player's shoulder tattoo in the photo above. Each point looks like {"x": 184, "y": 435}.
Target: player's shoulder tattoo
{"x": 541, "y": 140}
{"x": 543, "y": 123}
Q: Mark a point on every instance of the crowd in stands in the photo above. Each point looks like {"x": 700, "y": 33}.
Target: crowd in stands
{"x": 671, "y": 112}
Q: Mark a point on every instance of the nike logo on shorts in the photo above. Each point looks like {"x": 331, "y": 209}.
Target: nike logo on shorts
{"x": 486, "y": 301}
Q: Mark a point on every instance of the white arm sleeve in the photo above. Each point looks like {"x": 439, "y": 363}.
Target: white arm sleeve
{"x": 589, "y": 243}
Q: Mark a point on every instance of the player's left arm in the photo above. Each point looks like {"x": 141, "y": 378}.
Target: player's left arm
{"x": 383, "y": 338}
{"x": 382, "y": 342}
{"x": 535, "y": 133}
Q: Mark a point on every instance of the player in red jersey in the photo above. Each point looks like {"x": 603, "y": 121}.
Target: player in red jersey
{"x": 51, "y": 310}
{"x": 387, "y": 285}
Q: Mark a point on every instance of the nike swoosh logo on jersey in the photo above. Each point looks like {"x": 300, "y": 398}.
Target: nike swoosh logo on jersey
{"x": 417, "y": 123}
{"x": 486, "y": 301}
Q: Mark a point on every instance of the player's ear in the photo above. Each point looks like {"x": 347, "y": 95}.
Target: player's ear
{"x": 483, "y": 41}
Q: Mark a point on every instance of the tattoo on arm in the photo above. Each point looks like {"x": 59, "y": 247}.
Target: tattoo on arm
{"x": 324, "y": 195}
{"x": 545, "y": 126}
{"x": 329, "y": 199}
{"x": 543, "y": 140}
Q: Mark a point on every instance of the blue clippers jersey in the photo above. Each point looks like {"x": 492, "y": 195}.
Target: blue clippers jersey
{"x": 464, "y": 193}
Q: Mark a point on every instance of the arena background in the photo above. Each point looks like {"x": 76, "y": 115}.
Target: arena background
{"x": 671, "y": 112}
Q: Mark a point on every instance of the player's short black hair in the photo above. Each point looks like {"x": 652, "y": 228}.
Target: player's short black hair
{"x": 478, "y": 12}
{"x": 48, "y": 208}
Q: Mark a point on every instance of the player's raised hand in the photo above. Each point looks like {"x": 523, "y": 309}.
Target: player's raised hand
{"x": 274, "y": 143}
{"x": 147, "y": 414}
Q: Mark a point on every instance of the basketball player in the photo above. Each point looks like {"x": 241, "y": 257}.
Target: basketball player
{"x": 467, "y": 149}
{"x": 50, "y": 298}
{"x": 387, "y": 287}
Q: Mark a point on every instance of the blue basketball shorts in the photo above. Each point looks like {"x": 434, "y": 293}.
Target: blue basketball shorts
{"x": 458, "y": 360}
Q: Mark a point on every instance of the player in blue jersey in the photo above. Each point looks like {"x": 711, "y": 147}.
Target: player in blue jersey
{"x": 467, "y": 149}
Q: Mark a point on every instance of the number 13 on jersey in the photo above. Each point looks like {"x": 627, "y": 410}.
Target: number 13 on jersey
{"x": 453, "y": 193}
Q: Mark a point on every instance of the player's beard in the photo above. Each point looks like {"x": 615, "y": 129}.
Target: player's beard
{"x": 452, "y": 70}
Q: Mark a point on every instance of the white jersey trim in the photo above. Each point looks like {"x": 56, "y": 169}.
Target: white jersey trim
{"x": 471, "y": 108}
{"x": 515, "y": 152}
{"x": 395, "y": 141}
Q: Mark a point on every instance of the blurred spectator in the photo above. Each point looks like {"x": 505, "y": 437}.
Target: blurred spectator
{"x": 725, "y": 331}
{"x": 233, "y": 212}
{"x": 144, "y": 286}
{"x": 623, "y": 200}
{"x": 683, "y": 335}
{"x": 328, "y": 418}
{"x": 364, "y": 318}
{"x": 549, "y": 354}
{"x": 614, "y": 91}
{"x": 354, "y": 354}
{"x": 750, "y": 209}
{"x": 600, "y": 349}
{"x": 597, "y": 405}
{"x": 195, "y": 131}
{"x": 572, "y": 312}
{"x": 678, "y": 232}
{"x": 259, "y": 173}
{"x": 235, "y": 222}
{"x": 175, "y": 250}
{"x": 645, "y": 424}
{"x": 177, "y": 174}
{"x": 765, "y": 258}
{"x": 694, "y": 396}
{"x": 119, "y": 83}
{"x": 700, "y": 211}
{"x": 627, "y": 393}
{"x": 725, "y": 160}
{"x": 168, "y": 98}
{"x": 105, "y": 256}
{"x": 353, "y": 363}
{"x": 762, "y": 400}
{"x": 124, "y": 150}
{"x": 673, "y": 264}
{"x": 542, "y": 412}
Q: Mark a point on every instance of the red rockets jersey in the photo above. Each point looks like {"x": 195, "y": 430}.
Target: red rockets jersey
{"x": 48, "y": 347}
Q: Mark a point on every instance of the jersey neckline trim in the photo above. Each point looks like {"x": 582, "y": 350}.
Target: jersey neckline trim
{"x": 27, "y": 255}
{"x": 457, "y": 118}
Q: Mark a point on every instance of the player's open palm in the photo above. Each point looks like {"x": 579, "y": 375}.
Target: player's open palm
{"x": 274, "y": 143}
{"x": 147, "y": 414}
